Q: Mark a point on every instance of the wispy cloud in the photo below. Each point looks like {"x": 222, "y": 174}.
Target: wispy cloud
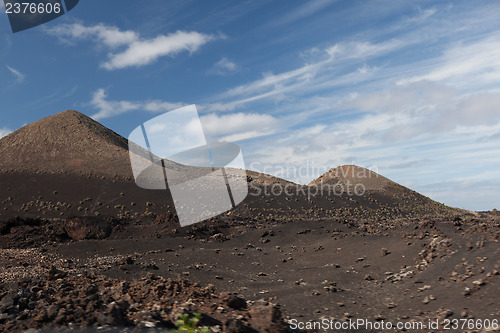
{"x": 424, "y": 15}
{"x": 416, "y": 101}
{"x": 460, "y": 191}
{"x": 224, "y": 66}
{"x": 364, "y": 49}
{"x": 58, "y": 95}
{"x": 128, "y": 48}
{"x": 382, "y": 60}
{"x": 465, "y": 60}
{"x": 495, "y": 136}
{"x": 416, "y": 98}
{"x": 238, "y": 126}
{"x": 18, "y": 75}
{"x": 4, "y": 131}
{"x": 109, "y": 108}
{"x": 341, "y": 64}
{"x": 306, "y": 10}
{"x": 226, "y": 127}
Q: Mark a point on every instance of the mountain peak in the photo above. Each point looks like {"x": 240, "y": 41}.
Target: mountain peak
{"x": 67, "y": 142}
{"x": 69, "y": 115}
{"x": 353, "y": 174}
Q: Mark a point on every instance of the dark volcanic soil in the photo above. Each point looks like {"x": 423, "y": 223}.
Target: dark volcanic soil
{"x": 390, "y": 255}
{"x": 400, "y": 270}
{"x": 148, "y": 304}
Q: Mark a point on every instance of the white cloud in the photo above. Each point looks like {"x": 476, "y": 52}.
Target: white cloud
{"x": 410, "y": 98}
{"x": 103, "y": 34}
{"x": 128, "y": 48}
{"x": 478, "y": 60}
{"x": 355, "y": 50}
{"x": 4, "y": 131}
{"x": 224, "y": 63}
{"x": 426, "y": 108}
{"x": 19, "y": 76}
{"x": 160, "y": 106}
{"x": 144, "y": 52}
{"x": 273, "y": 81}
{"x": 238, "y": 126}
{"x": 474, "y": 109}
{"x": 224, "y": 66}
{"x": 425, "y": 121}
{"x": 108, "y": 108}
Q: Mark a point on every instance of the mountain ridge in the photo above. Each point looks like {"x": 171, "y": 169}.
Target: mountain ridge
{"x": 70, "y": 147}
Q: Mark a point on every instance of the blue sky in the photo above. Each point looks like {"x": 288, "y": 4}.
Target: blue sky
{"x": 409, "y": 89}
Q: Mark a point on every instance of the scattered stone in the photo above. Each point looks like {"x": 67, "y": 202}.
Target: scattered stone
{"x": 368, "y": 277}
{"x": 424, "y": 288}
{"x": 391, "y": 305}
{"x": 385, "y": 252}
{"x": 479, "y": 282}
{"x": 266, "y": 317}
{"x": 300, "y": 282}
{"x": 89, "y": 227}
{"x": 234, "y": 301}
{"x": 55, "y": 274}
{"x": 234, "y": 325}
{"x": 444, "y": 313}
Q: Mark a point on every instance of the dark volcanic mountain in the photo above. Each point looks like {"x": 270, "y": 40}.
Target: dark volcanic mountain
{"x": 66, "y": 143}
{"x": 68, "y": 164}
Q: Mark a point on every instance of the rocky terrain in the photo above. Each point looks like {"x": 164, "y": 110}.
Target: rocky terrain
{"x": 81, "y": 246}
{"x": 151, "y": 303}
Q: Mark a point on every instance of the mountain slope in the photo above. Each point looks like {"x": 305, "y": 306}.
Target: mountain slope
{"x": 66, "y": 143}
